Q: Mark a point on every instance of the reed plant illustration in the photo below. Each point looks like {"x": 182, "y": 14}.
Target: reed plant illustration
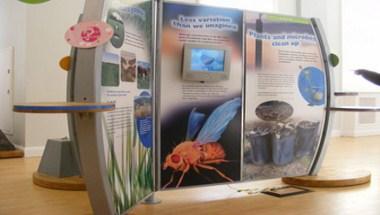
{"x": 129, "y": 169}
{"x": 129, "y": 162}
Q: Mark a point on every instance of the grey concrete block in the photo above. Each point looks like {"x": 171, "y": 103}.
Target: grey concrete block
{"x": 5, "y": 144}
{"x": 58, "y": 159}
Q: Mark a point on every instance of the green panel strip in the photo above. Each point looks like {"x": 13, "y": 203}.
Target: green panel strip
{"x": 34, "y": 1}
{"x": 281, "y": 18}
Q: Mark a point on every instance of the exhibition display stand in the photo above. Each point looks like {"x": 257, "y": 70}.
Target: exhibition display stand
{"x": 195, "y": 95}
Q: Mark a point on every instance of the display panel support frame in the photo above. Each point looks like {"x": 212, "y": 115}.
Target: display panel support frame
{"x": 82, "y": 87}
{"x": 326, "y": 131}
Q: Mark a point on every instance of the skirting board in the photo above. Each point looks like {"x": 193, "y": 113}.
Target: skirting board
{"x": 33, "y": 151}
{"x": 360, "y": 133}
{"x": 37, "y": 151}
{"x": 336, "y": 133}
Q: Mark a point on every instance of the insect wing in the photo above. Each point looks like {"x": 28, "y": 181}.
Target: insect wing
{"x": 218, "y": 121}
{"x": 194, "y": 123}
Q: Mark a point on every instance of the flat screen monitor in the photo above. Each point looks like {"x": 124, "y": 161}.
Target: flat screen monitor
{"x": 208, "y": 63}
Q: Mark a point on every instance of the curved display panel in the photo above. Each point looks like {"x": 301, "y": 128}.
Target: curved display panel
{"x": 126, "y": 80}
{"x": 286, "y": 94}
{"x": 116, "y": 148}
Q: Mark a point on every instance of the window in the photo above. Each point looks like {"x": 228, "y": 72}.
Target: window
{"x": 360, "y": 43}
{"x": 252, "y": 5}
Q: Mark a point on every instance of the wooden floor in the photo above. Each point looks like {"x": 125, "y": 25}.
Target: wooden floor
{"x": 19, "y": 196}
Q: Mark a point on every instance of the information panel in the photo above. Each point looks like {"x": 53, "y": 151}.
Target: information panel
{"x": 285, "y": 96}
{"x": 126, "y": 80}
{"x": 200, "y": 111}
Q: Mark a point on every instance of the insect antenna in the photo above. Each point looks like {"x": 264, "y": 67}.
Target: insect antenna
{"x": 173, "y": 144}
{"x": 231, "y": 161}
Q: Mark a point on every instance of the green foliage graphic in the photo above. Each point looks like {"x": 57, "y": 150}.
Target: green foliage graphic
{"x": 34, "y": 1}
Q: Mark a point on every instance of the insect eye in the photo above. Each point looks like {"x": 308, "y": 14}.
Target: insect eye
{"x": 175, "y": 158}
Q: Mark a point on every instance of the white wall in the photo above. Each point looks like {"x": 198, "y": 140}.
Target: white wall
{"x": 190, "y": 1}
{"x": 36, "y": 32}
{"x": 13, "y": 33}
{"x": 288, "y": 7}
{"x": 252, "y": 5}
{"x": 361, "y": 42}
{"x": 46, "y": 26}
{"x": 6, "y": 90}
{"x": 329, "y": 13}
{"x": 360, "y": 123}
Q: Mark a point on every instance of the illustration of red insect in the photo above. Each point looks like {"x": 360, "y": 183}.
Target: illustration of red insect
{"x": 204, "y": 150}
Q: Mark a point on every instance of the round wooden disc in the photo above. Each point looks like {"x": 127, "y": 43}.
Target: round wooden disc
{"x": 67, "y": 183}
{"x": 65, "y": 63}
{"x": 11, "y": 154}
{"x": 331, "y": 178}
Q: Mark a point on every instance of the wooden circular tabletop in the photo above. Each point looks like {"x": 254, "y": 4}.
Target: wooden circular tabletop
{"x": 355, "y": 109}
{"x": 331, "y": 178}
{"x": 346, "y": 93}
{"x": 66, "y": 183}
{"x": 63, "y": 107}
{"x": 11, "y": 154}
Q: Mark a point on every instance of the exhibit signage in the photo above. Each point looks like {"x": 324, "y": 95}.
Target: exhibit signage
{"x": 201, "y": 95}
{"x": 285, "y": 96}
{"x": 126, "y": 80}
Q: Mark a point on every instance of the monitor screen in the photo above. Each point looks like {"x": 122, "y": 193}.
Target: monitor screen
{"x": 207, "y": 60}
{"x": 206, "y": 63}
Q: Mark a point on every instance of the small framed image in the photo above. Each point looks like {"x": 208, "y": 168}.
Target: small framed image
{"x": 286, "y": 191}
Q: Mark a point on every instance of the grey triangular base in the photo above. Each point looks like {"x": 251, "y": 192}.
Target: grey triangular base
{"x": 5, "y": 144}
{"x": 58, "y": 159}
